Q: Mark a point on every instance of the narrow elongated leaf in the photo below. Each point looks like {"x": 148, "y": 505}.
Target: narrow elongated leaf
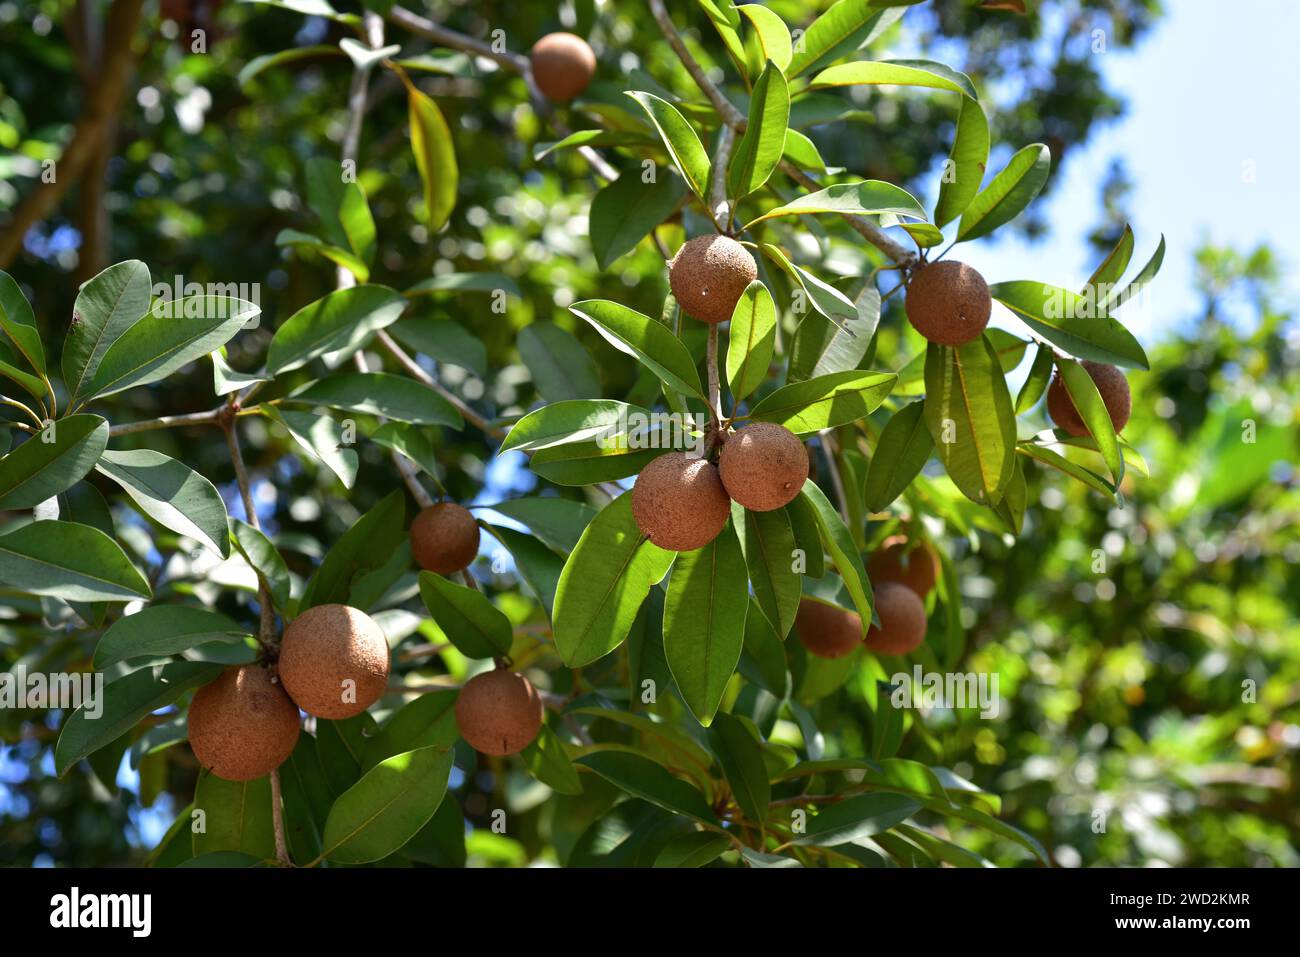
{"x": 1008, "y": 194}
{"x": 429, "y": 721}
{"x": 737, "y": 750}
{"x": 769, "y": 545}
{"x": 825, "y": 298}
{"x": 751, "y": 340}
{"x": 577, "y": 420}
{"x": 560, "y": 365}
{"x": 1144, "y": 276}
{"x": 704, "y": 622}
{"x": 335, "y": 254}
{"x": 857, "y": 817}
{"x": 605, "y": 580}
{"x": 536, "y": 564}
{"x": 381, "y": 393}
{"x": 18, "y": 323}
{"x": 643, "y": 778}
{"x": 69, "y": 561}
{"x": 164, "y": 630}
{"x": 821, "y": 347}
{"x": 387, "y": 807}
{"x": 1036, "y": 383}
{"x": 839, "y": 543}
{"x": 682, "y": 142}
{"x": 905, "y": 444}
{"x": 467, "y": 616}
{"x": 586, "y": 463}
{"x": 364, "y": 547}
{"x": 802, "y": 152}
{"x": 236, "y": 817}
{"x": 106, "y": 307}
{"x": 1102, "y": 283}
{"x": 869, "y": 197}
{"x": 261, "y": 64}
{"x": 1071, "y": 323}
{"x": 922, "y": 73}
{"x": 339, "y": 323}
{"x": 343, "y": 209}
{"x": 38, "y": 470}
{"x": 320, "y": 436}
{"x": 627, "y": 210}
{"x": 848, "y": 25}
{"x": 264, "y": 558}
{"x": 124, "y": 702}
{"x": 967, "y": 161}
{"x": 1073, "y": 469}
{"x": 759, "y": 149}
{"x": 594, "y": 138}
{"x": 807, "y": 535}
{"x": 826, "y": 401}
{"x": 171, "y": 493}
{"x": 1092, "y": 409}
{"x": 772, "y": 34}
{"x": 648, "y": 341}
{"x": 435, "y": 157}
{"x": 558, "y": 522}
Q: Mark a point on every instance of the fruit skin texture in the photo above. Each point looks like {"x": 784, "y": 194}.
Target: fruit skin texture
{"x": 763, "y": 466}
{"x": 499, "y": 712}
{"x": 563, "y": 65}
{"x": 1111, "y": 385}
{"x": 902, "y": 621}
{"x": 918, "y": 568}
{"x": 444, "y": 538}
{"x": 325, "y": 646}
{"x": 948, "y": 302}
{"x": 242, "y": 725}
{"x": 679, "y": 503}
{"x": 827, "y": 631}
{"x": 708, "y": 276}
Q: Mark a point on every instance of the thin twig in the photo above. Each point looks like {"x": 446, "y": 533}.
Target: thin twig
{"x": 425, "y": 27}
{"x": 277, "y": 820}
{"x": 211, "y": 417}
{"x": 413, "y": 367}
{"x": 832, "y": 449}
{"x": 715, "y": 386}
{"x": 730, "y": 115}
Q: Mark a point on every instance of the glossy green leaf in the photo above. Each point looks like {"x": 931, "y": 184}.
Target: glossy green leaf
{"x": 826, "y": 401}
{"x": 586, "y": 463}
{"x": 1102, "y": 283}
{"x": 964, "y": 172}
{"x": 627, "y": 210}
{"x": 1144, "y": 276}
{"x": 380, "y": 393}
{"x": 839, "y": 543}
{"x": 1040, "y": 373}
{"x": 40, "y": 469}
{"x": 467, "y": 617}
{"x": 865, "y": 198}
{"x": 821, "y": 347}
{"x": 319, "y": 436}
{"x": 858, "y": 817}
{"x": 236, "y": 817}
{"x": 648, "y": 341}
{"x": 1092, "y": 409}
{"x": 428, "y": 721}
{"x": 577, "y": 420}
{"x": 335, "y": 254}
{"x": 435, "y": 157}
{"x": 594, "y": 139}
{"x": 848, "y": 25}
{"x": 444, "y": 341}
{"x": 1007, "y": 194}
{"x": 549, "y": 764}
{"x": 905, "y": 445}
{"x": 693, "y": 850}
{"x": 922, "y": 73}
{"x": 338, "y": 323}
{"x": 737, "y": 749}
{"x": 1072, "y": 469}
{"x": 768, "y": 543}
{"x": 342, "y": 208}
{"x": 264, "y": 558}
{"x": 681, "y": 141}
{"x": 537, "y": 565}
{"x": 558, "y": 522}
{"x": 1071, "y": 323}
{"x": 261, "y": 64}
{"x": 772, "y": 34}
{"x": 69, "y": 561}
{"x": 364, "y": 547}
{"x": 106, "y": 307}
{"x": 759, "y": 149}
{"x": 560, "y": 365}
{"x": 226, "y": 380}
{"x": 649, "y": 781}
{"x": 751, "y": 340}
{"x": 161, "y": 630}
{"x": 18, "y": 323}
{"x": 172, "y": 494}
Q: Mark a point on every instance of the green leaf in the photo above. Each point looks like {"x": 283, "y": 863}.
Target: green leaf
{"x": 1008, "y": 194}
{"x": 768, "y": 543}
{"x": 380, "y": 393}
{"x": 826, "y": 401}
{"x": 536, "y": 564}
{"x": 169, "y": 336}
{"x": 320, "y": 436}
{"x": 593, "y": 138}
{"x": 124, "y": 703}
{"x": 1144, "y": 276}
{"x": 489, "y": 282}
{"x": 226, "y": 380}
{"x": 848, "y": 25}
{"x": 172, "y": 494}
{"x": 1036, "y": 383}
{"x": 922, "y": 73}
{"x": 343, "y": 210}
{"x": 681, "y": 141}
{"x": 261, "y": 64}
{"x": 1092, "y": 409}
{"x": 737, "y": 749}
{"x": 364, "y": 547}
{"x": 751, "y": 339}
{"x": 161, "y": 630}
{"x": 339, "y": 323}
{"x": 807, "y": 536}
{"x": 693, "y": 850}
{"x": 576, "y": 420}
{"x": 435, "y": 157}
{"x": 549, "y": 764}
{"x": 18, "y": 323}
{"x": 411, "y": 441}
{"x": 704, "y": 622}
{"x": 964, "y": 171}
{"x": 385, "y": 809}
{"x": 106, "y": 307}
{"x": 32, "y": 385}
{"x": 759, "y": 149}
{"x": 429, "y": 721}
{"x": 643, "y": 778}
{"x": 560, "y": 365}
{"x": 558, "y": 522}
{"x": 839, "y": 542}
{"x": 40, "y": 469}
{"x": 802, "y": 152}
{"x": 858, "y": 817}
{"x": 1072, "y": 469}
{"x": 605, "y": 579}
{"x": 826, "y": 299}
{"x": 968, "y": 410}
{"x": 821, "y": 346}
{"x": 468, "y": 618}
{"x": 650, "y": 342}
{"x": 627, "y": 210}
{"x": 443, "y": 340}
{"x": 1103, "y": 281}
{"x": 69, "y": 561}
{"x": 264, "y": 558}
{"x": 772, "y": 34}
{"x": 905, "y": 445}
{"x": 236, "y": 817}
{"x": 1070, "y": 322}
{"x": 586, "y": 463}
{"x": 1001, "y": 828}
{"x": 868, "y": 197}
{"x": 335, "y": 254}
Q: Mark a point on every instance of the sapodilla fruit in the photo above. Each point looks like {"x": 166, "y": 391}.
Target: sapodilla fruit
{"x": 894, "y": 561}
{"x": 827, "y": 631}
{"x": 444, "y": 538}
{"x": 563, "y": 65}
{"x": 902, "y": 620}
{"x": 1111, "y": 385}
{"x": 948, "y": 302}
{"x": 334, "y": 661}
{"x": 708, "y": 276}
{"x": 763, "y": 466}
{"x": 499, "y": 712}
{"x": 679, "y": 503}
{"x": 242, "y": 725}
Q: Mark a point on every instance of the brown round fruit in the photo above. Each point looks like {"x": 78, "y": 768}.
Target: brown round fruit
{"x": 444, "y": 538}
{"x": 902, "y": 620}
{"x": 827, "y": 631}
{"x": 763, "y": 466}
{"x": 948, "y": 302}
{"x": 334, "y": 661}
{"x": 895, "y": 560}
{"x": 708, "y": 276}
{"x": 679, "y": 503}
{"x": 499, "y": 712}
{"x": 243, "y": 725}
{"x": 562, "y": 65}
{"x": 1111, "y": 385}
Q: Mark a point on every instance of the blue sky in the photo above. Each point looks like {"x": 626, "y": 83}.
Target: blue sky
{"x": 1211, "y": 89}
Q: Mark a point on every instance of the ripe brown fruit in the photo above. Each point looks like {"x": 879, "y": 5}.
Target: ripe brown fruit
{"x": 708, "y": 276}
{"x": 563, "y": 65}
{"x": 444, "y": 538}
{"x": 242, "y": 725}
{"x": 827, "y": 631}
{"x": 902, "y": 620}
{"x": 499, "y": 712}
{"x": 334, "y": 661}
{"x": 679, "y": 503}
{"x": 763, "y": 466}
{"x": 1114, "y": 391}
{"x": 948, "y": 302}
{"x": 916, "y": 566}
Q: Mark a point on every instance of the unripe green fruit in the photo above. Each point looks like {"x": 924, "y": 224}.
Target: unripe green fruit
{"x": 708, "y": 276}
{"x": 902, "y": 620}
{"x": 948, "y": 302}
{"x": 444, "y": 538}
{"x": 242, "y": 725}
{"x": 1111, "y": 385}
{"x": 334, "y": 661}
{"x": 763, "y": 466}
{"x": 679, "y": 503}
{"x": 826, "y": 630}
{"x": 562, "y": 65}
{"x": 499, "y": 712}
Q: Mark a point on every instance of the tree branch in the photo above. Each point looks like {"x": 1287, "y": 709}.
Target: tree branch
{"x": 211, "y": 417}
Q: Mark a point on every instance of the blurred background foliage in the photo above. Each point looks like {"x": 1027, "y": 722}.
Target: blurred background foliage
{"x": 1149, "y": 656}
